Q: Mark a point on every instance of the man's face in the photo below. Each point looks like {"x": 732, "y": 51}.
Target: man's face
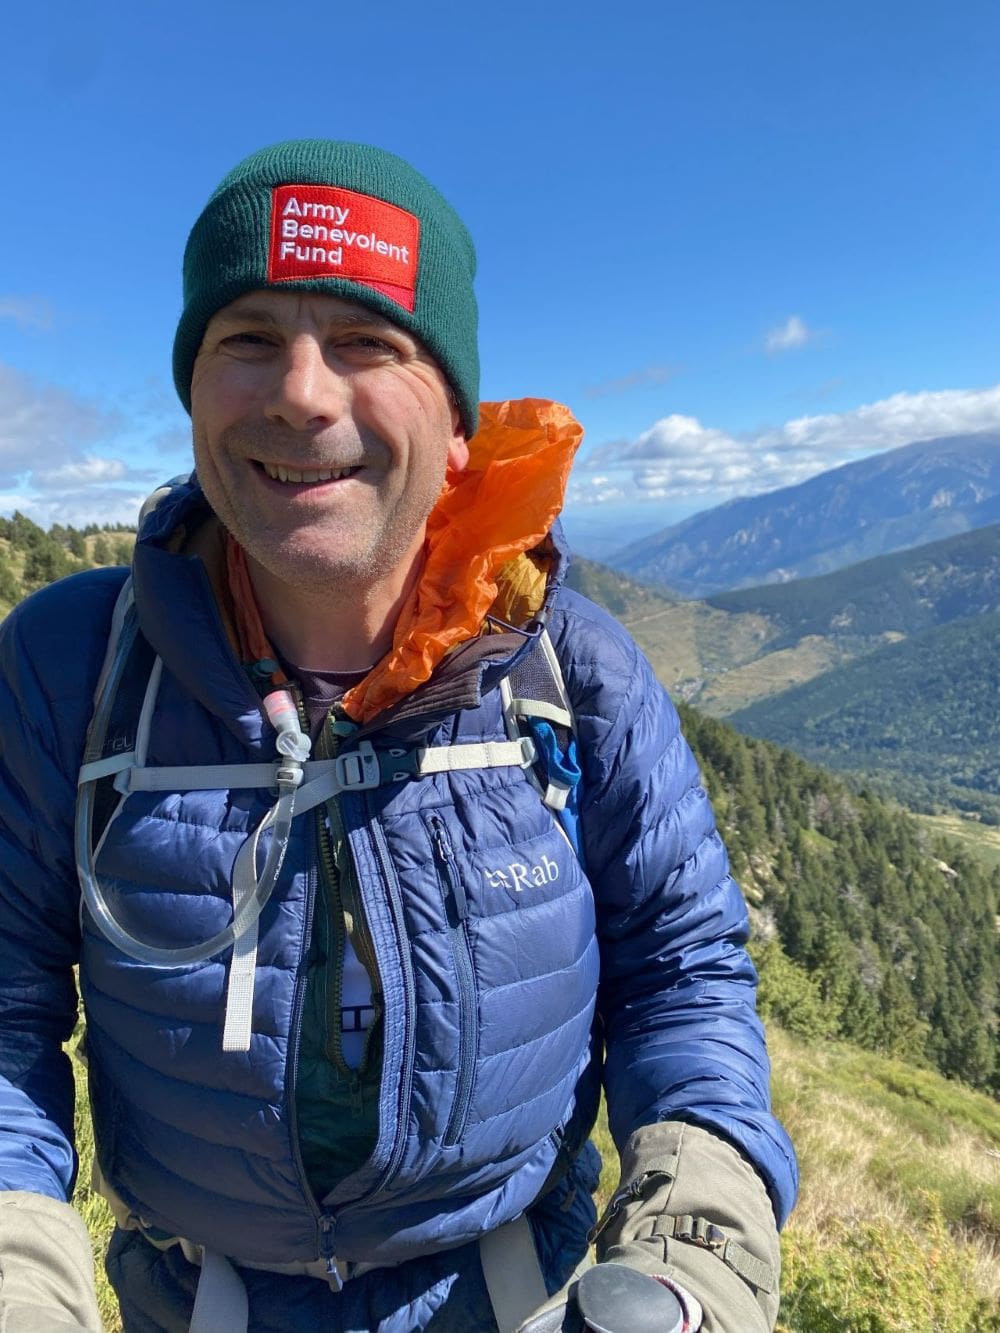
{"x": 321, "y": 436}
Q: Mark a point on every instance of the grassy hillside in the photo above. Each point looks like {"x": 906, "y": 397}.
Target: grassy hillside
{"x": 897, "y": 1228}
{"x": 770, "y": 674}
{"x": 619, "y": 595}
{"x": 980, "y": 840}
{"x": 743, "y": 648}
{"x": 898, "y": 1223}
{"x": 694, "y": 647}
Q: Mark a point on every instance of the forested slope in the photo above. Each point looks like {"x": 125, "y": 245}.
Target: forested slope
{"x": 30, "y": 557}
{"x": 902, "y": 593}
{"x": 922, "y": 716}
{"x": 893, "y": 933}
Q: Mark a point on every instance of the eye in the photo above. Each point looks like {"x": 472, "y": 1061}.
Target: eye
{"x": 366, "y": 345}
{"x": 247, "y": 340}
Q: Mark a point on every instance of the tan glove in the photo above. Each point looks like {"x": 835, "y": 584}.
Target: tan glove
{"x": 691, "y": 1208}
{"x": 46, "y": 1267}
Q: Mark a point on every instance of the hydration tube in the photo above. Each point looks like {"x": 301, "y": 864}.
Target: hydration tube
{"x": 293, "y": 749}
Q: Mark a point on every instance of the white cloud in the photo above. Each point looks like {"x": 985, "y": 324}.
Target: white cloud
{"x": 76, "y": 508}
{"x": 786, "y": 337}
{"x": 682, "y": 459}
{"x": 28, "y": 312}
{"x": 84, "y": 473}
{"x": 59, "y": 452}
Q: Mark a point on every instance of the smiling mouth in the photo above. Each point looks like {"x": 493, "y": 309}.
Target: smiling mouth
{"x": 307, "y": 476}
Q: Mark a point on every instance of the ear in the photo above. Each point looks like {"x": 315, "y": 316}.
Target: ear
{"x": 458, "y": 449}
{"x": 458, "y": 452}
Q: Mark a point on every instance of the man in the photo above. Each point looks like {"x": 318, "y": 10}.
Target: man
{"x": 350, "y": 999}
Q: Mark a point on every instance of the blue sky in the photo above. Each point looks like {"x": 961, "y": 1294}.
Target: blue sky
{"x": 744, "y": 242}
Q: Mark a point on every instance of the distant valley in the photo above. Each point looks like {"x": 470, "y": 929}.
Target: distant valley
{"x": 889, "y": 667}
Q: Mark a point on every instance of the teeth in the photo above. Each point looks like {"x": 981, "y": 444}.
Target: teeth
{"x": 308, "y": 477}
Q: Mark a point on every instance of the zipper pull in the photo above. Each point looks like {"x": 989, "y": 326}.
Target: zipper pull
{"x": 340, "y": 724}
{"x": 326, "y": 1252}
{"x": 456, "y": 891}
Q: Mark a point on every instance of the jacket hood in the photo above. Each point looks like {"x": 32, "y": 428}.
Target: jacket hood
{"x": 493, "y": 552}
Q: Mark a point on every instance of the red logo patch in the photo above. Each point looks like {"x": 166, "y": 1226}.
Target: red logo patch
{"x": 322, "y": 231}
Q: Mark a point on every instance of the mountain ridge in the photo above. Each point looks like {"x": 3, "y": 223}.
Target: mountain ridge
{"x": 903, "y": 497}
{"x": 903, "y": 592}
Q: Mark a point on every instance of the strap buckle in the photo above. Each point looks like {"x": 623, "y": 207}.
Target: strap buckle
{"x": 400, "y": 762}
{"x": 699, "y": 1231}
{"x": 757, "y": 1273}
{"x": 358, "y": 770}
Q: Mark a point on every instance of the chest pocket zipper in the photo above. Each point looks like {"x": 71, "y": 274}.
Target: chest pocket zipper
{"x": 457, "y": 908}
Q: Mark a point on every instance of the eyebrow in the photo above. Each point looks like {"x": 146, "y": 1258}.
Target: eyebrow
{"x": 241, "y": 314}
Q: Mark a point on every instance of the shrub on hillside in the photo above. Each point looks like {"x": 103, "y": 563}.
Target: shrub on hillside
{"x": 876, "y": 1277}
{"x": 789, "y": 996}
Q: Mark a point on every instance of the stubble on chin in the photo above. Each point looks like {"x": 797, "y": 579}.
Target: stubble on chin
{"x": 367, "y": 546}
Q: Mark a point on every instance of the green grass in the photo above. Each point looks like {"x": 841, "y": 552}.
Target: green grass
{"x": 95, "y": 1212}
{"x": 981, "y": 840}
{"x": 770, "y": 674}
{"x": 690, "y": 643}
{"x": 898, "y": 1224}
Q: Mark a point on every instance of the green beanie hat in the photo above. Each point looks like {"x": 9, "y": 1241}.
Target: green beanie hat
{"x": 317, "y": 215}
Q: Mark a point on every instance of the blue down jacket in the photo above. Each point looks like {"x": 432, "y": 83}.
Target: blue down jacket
{"x": 495, "y": 1015}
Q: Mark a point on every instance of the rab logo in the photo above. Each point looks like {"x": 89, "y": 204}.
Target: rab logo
{"x": 518, "y": 876}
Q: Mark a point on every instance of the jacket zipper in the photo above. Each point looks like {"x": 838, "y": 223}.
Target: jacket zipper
{"x": 405, "y": 1093}
{"x": 324, "y": 1221}
{"x": 343, "y": 902}
{"x": 457, "y": 907}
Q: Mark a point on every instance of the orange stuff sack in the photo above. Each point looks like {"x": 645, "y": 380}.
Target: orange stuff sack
{"x": 488, "y": 517}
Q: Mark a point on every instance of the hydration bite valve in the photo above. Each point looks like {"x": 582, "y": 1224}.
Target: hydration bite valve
{"x": 283, "y": 716}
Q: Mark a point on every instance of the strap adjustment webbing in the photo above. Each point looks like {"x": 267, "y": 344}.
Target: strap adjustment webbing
{"x": 509, "y": 1261}
{"x": 542, "y": 708}
{"x": 356, "y": 770}
{"x": 699, "y": 1231}
{"x": 512, "y": 1272}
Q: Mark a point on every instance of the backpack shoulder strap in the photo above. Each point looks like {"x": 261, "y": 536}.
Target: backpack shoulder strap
{"x": 130, "y": 663}
{"x": 536, "y": 703}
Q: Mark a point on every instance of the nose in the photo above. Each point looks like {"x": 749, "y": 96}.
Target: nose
{"x": 308, "y": 392}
